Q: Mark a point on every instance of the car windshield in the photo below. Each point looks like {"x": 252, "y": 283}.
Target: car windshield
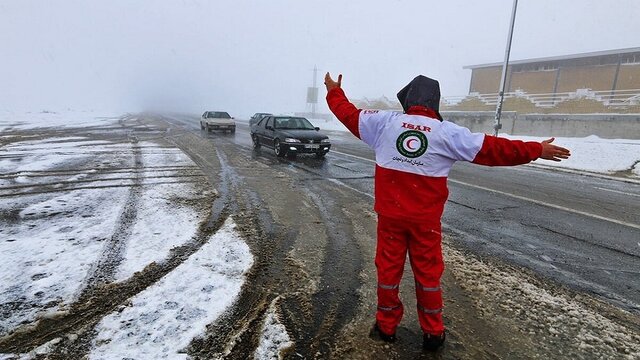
{"x": 292, "y": 123}
{"x": 218, "y": 115}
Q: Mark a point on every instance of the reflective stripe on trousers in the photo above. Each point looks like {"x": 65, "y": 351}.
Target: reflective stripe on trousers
{"x": 390, "y": 308}
{"x": 388, "y": 287}
{"x": 429, "y": 311}
{"x": 425, "y": 288}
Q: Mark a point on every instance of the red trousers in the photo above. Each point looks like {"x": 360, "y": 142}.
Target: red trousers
{"x": 395, "y": 238}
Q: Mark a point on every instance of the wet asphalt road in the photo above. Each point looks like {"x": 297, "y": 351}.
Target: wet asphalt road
{"x": 582, "y": 231}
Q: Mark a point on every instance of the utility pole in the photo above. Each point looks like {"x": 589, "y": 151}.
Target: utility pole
{"x": 315, "y": 86}
{"x": 312, "y": 93}
{"x": 505, "y": 66}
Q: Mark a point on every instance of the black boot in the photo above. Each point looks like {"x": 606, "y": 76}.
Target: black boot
{"x": 377, "y": 334}
{"x": 432, "y": 342}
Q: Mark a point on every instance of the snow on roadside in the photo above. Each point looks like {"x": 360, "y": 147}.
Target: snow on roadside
{"x": 12, "y": 121}
{"x": 47, "y": 252}
{"x": 163, "y": 319}
{"x": 275, "y": 339}
{"x": 39, "y": 155}
{"x": 594, "y": 154}
{"x": 162, "y": 221}
{"x": 162, "y": 156}
{"x": 50, "y": 241}
{"x": 161, "y": 225}
{"x": 584, "y": 333}
{"x": 332, "y": 125}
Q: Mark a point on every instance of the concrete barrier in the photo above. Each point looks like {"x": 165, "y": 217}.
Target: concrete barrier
{"x": 608, "y": 126}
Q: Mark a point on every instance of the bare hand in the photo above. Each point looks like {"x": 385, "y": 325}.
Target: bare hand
{"x": 552, "y": 152}
{"x": 328, "y": 81}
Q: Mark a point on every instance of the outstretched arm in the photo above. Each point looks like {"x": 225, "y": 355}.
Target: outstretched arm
{"x": 344, "y": 110}
{"x": 497, "y": 151}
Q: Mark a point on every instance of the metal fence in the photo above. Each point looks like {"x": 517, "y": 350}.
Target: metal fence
{"x": 612, "y": 99}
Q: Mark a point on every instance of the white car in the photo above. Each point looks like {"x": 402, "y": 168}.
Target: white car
{"x": 217, "y": 120}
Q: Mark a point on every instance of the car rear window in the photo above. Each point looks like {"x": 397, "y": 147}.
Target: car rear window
{"x": 219, "y": 115}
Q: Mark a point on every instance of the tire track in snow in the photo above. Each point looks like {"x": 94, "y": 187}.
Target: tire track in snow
{"x": 102, "y": 171}
{"x": 106, "y": 266}
{"x": 235, "y": 335}
{"x": 82, "y": 316}
{"x": 335, "y": 302}
{"x": 136, "y": 176}
{"x": 27, "y": 193}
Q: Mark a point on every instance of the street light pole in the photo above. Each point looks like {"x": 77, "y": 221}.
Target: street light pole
{"x": 313, "y": 104}
{"x": 497, "y": 125}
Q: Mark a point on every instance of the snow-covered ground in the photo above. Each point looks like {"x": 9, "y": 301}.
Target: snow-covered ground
{"x": 162, "y": 320}
{"x": 13, "y": 121}
{"x": 594, "y": 154}
{"x": 65, "y": 200}
{"x": 332, "y": 125}
{"x": 556, "y": 318}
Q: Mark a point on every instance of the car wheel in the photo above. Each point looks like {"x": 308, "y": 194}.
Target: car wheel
{"x": 320, "y": 154}
{"x": 206, "y": 126}
{"x": 256, "y": 142}
{"x": 277, "y": 148}
{"x": 201, "y": 126}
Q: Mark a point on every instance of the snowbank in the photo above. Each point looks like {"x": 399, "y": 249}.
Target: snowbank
{"x": 162, "y": 320}
{"x": 594, "y": 154}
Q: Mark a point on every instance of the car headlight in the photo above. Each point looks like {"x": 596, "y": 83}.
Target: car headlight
{"x": 291, "y": 140}
{"x": 325, "y": 141}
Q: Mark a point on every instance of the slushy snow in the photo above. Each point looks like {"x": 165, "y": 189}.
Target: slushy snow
{"x": 163, "y": 319}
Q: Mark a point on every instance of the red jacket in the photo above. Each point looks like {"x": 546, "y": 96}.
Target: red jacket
{"x": 415, "y": 151}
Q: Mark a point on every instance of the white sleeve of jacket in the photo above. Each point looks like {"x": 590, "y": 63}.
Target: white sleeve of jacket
{"x": 371, "y": 124}
{"x": 462, "y": 143}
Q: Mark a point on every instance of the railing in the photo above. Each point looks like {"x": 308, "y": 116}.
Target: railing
{"x": 617, "y": 98}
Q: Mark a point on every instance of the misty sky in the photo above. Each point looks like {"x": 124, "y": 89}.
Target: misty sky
{"x": 247, "y": 56}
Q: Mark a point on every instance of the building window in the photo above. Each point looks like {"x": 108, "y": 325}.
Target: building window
{"x": 534, "y": 67}
{"x": 630, "y": 59}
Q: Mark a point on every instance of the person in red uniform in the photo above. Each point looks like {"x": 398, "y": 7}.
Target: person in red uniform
{"x": 414, "y": 152}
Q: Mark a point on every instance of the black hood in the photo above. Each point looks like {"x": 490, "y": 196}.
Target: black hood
{"x": 421, "y": 91}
